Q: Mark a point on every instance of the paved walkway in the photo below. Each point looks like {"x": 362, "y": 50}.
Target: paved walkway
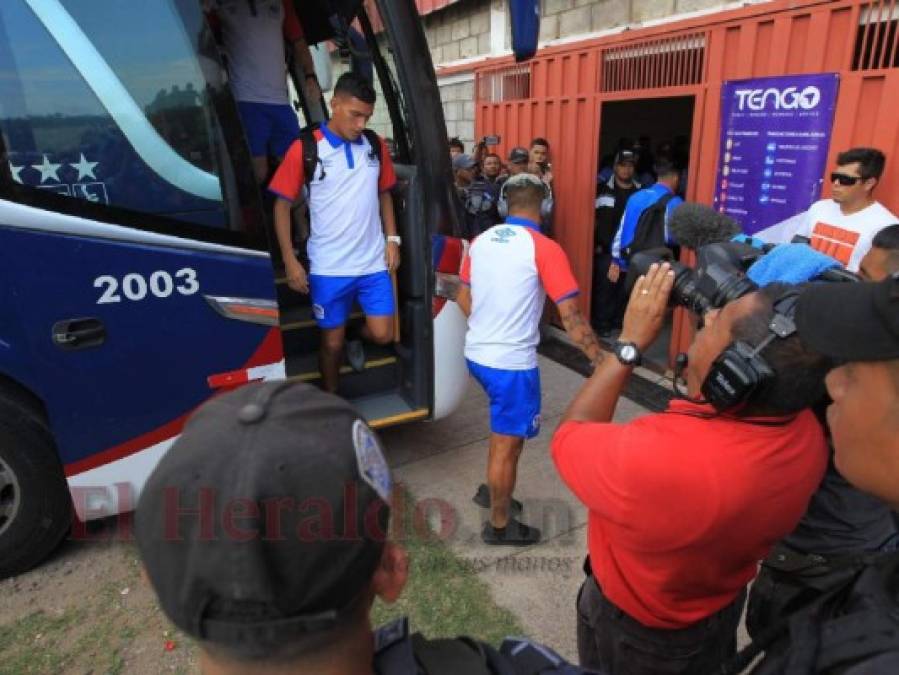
{"x": 446, "y": 460}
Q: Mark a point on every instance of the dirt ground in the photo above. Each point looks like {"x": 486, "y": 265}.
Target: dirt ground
{"x": 88, "y": 611}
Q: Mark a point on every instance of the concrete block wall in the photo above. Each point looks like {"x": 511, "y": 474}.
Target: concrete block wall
{"x": 462, "y": 31}
{"x": 458, "y": 109}
{"x": 567, "y": 18}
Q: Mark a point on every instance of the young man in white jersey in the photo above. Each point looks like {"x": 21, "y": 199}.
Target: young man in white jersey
{"x": 844, "y": 226}
{"x": 350, "y": 257}
{"x": 509, "y": 271}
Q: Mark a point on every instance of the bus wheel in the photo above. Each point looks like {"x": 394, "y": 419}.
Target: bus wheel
{"x": 35, "y": 506}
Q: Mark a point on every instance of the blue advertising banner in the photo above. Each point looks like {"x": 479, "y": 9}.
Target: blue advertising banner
{"x": 775, "y": 133}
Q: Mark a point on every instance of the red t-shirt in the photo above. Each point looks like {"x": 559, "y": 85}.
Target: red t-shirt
{"x": 680, "y": 508}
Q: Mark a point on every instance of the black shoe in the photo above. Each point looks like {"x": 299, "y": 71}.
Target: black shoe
{"x": 515, "y": 533}
{"x": 355, "y": 355}
{"x": 482, "y": 499}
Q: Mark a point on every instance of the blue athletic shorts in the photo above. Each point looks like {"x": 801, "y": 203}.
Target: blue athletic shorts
{"x": 270, "y": 128}
{"x": 332, "y": 297}
{"x": 514, "y": 399}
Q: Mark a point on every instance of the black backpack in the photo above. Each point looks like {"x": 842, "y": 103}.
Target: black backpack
{"x": 310, "y": 151}
{"x": 851, "y": 630}
{"x": 650, "y": 230}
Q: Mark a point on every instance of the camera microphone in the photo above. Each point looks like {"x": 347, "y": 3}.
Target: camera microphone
{"x": 695, "y": 225}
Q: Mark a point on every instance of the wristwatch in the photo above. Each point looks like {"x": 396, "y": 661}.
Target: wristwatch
{"x": 627, "y": 353}
{"x": 395, "y": 238}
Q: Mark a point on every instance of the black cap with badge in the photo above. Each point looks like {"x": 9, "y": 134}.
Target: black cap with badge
{"x": 625, "y": 157}
{"x": 851, "y": 321}
{"x": 267, "y": 518}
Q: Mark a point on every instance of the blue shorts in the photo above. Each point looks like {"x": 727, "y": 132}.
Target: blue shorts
{"x": 333, "y": 297}
{"x": 514, "y": 399}
{"x": 270, "y": 128}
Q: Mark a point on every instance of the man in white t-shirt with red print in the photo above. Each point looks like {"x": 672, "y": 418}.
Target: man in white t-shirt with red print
{"x": 349, "y": 198}
{"x": 509, "y": 271}
{"x": 844, "y": 226}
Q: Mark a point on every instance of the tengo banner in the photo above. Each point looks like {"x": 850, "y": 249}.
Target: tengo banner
{"x": 775, "y": 133}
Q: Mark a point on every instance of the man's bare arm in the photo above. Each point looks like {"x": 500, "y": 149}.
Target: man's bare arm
{"x": 388, "y": 217}
{"x": 303, "y": 55}
{"x": 643, "y": 319}
{"x": 282, "y": 228}
{"x": 463, "y": 299}
{"x": 580, "y": 331}
{"x": 293, "y": 270}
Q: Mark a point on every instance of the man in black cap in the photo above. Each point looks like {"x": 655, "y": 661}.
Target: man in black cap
{"x": 264, "y": 534}
{"x": 609, "y": 298}
{"x": 477, "y": 195}
{"x": 852, "y": 628}
{"x": 518, "y": 160}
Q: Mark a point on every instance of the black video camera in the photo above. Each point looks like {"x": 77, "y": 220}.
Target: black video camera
{"x": 719, "y": 277}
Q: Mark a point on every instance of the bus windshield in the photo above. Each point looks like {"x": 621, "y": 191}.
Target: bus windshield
{"x": 107, "y": 102}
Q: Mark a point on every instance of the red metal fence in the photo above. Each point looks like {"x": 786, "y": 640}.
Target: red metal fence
{"x": 567, "y": 85}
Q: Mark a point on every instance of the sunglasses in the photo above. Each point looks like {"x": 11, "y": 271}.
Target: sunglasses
{"x": 844, "y": 179}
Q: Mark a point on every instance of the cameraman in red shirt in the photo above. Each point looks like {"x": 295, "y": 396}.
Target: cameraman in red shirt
{"x": 684, "y": 503}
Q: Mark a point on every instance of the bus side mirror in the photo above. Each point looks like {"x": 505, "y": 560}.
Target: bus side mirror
{"x": 525, "y": 16}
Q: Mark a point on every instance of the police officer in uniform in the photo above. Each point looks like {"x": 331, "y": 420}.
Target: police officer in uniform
{"x": 609, "y": 299}
{"x": 477, "y": 194}
{"x": 264, "y": 534}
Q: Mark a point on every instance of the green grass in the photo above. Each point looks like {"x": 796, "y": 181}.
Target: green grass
{"x": 90, "y": 635}
{"x": 24, "y": 652}
{"x": 444, "y": 597}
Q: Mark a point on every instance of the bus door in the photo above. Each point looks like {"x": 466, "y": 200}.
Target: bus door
{"x": 136, "y": 278}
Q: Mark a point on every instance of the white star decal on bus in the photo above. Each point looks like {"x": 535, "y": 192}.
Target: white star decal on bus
{"x": 15, "y": 171}
{"x": 48, "y": 170}
{"x": 85, "y": 168}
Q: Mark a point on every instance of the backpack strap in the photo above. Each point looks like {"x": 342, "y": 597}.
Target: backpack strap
{"x": 375, "y": 142}
{"x": 662, "y": 204}
{"x": 310, "y": 154}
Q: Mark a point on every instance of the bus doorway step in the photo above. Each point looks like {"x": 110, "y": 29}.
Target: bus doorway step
{"x": 386, "y": 409}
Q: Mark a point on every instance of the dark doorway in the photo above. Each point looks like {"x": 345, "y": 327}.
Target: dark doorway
{"x": 651, "y": 128}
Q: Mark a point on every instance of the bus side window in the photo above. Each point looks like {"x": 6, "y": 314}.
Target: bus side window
{"x": 108, "y": 103}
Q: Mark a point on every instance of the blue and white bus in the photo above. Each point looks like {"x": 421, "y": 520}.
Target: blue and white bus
{"x": 138, "y": 273}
